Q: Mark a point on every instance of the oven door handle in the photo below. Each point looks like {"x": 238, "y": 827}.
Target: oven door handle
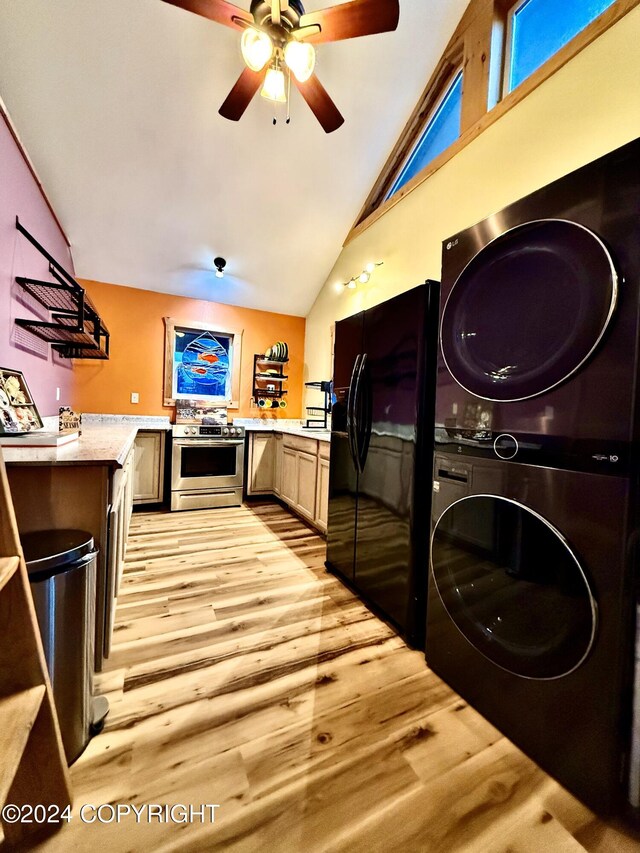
{"x": 204, "y": 442}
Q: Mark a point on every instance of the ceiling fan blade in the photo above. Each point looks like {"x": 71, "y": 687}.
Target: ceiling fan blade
{"x": 219, "y": 11}
{"x": 240, "y": 96}
{"x": 353, "y": 19}
{"x": 321, "y": 104}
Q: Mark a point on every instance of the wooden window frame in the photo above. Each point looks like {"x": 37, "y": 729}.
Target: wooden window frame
{"x": 171, "y": 326}
{"x": 478, "y": 43}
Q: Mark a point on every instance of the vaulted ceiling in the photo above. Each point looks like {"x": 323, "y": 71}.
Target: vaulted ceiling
{"x": 117, "y": 105}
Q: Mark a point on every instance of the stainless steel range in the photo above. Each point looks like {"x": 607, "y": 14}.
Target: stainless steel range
{"x": 207, "y": 466}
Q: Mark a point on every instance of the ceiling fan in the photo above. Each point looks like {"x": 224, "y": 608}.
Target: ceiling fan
{"x": 278, "y": 34}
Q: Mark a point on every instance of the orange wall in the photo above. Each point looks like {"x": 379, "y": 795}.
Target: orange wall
{"x": 135, "y": 321}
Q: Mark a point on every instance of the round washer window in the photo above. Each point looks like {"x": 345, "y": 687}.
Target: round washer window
{"x": 528, "y": 310}
{"x": 513, "y": 587}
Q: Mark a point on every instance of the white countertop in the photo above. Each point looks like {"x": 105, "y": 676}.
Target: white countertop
{"x": 284, "y": 426}
{"x": 99, "y": 444}
{"x": 107, "y": 439}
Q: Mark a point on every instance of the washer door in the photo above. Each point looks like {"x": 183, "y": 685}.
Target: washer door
{"x": 513, "y": 587}
{"x": 528, "y": 310}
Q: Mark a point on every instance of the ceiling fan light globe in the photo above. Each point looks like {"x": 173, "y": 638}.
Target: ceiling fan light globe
{"x": 274, "y": 86}
{"x": 301, "y": 59}
{"x": 257, "y": 48}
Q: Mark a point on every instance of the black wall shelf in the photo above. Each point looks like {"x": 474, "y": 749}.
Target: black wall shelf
{"x": 317, "y": 415}
{"x": 261, "y": 379}
{"x": 75, "y": 329}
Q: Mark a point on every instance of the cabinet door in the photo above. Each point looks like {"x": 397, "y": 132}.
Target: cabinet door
{"x": 123, "y": 529}
{"x": 322, "y": 495}
{"x": 261, "y": 463}
{"x": 112, "y": 564}
{"x": 307, "y": 474}
{"x": 277, "y": 463}
{"x": 130, "y": 466}
{"x": 289, "y": 484}
{"x": 149, "y": 465}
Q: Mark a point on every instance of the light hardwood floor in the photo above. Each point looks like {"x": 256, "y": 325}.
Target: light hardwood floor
{"x": 243, "y": 675}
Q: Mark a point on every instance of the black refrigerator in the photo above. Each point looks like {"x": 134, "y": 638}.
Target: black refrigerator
{"x": 382, "y": 429}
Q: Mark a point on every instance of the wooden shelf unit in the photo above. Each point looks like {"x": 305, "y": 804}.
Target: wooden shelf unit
{"x": 33, "y": 767}
{"x": 8, "y": 566}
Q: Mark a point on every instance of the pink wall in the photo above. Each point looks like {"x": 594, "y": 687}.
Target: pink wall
{"x": 20, "y": 195}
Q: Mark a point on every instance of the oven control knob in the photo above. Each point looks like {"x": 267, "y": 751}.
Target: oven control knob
{"x": 505, "y": 446}
{"x": 225, "y": 431}
{"x": 190, "y": 431}
{"x": 232, "y": 431}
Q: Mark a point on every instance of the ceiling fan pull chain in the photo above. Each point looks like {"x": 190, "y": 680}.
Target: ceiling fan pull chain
{"x": 288, "y": 96}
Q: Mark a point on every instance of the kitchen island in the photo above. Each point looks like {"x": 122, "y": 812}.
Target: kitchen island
{"x": 87, "y": 485}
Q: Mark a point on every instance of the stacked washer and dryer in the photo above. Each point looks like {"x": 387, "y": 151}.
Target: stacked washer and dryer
{"x": 533, "y": 586}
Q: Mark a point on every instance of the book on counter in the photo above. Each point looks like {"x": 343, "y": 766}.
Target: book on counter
{"x": 37, "y": 438}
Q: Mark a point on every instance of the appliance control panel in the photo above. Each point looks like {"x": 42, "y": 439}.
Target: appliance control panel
{"x": 206, "y": 431}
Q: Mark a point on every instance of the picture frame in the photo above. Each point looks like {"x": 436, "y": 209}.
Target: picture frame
{"x": 18, "y": 412}
{"x": 201, "y": 364}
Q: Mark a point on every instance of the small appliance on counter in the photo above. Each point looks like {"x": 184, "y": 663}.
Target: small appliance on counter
{"x": 207, "y": 466}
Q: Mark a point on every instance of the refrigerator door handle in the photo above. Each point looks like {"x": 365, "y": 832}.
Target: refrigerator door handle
{"x": 356, "y": 414}
{"x": 351, "y": 399}
{"x": 366, "y": 411}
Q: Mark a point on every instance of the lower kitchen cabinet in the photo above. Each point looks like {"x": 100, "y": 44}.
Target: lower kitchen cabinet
{"x": 289, "y": 477}
{"x": 119, "y": 518}
{"x": 306, "y": 476}
{"x": 293, "y": 467}
{"x": 322, "y": 494}
{"x": 277, "y": 463}
{"x": 148, "y": 476}
{"x": 261, "y": 464}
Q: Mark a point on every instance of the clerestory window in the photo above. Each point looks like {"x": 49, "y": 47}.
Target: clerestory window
{"x": 442, "y": 128}
{"x": 536, "y": 29}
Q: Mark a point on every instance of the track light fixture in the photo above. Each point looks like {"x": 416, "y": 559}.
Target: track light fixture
{"x": 363, "y": 277}
{"x": 219, "y": 264}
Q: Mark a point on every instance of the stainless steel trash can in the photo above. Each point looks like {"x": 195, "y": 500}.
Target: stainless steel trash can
{"x": 62, "y": 572}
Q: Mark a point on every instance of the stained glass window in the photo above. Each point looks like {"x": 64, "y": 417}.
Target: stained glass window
{"x": 201, "y": 365}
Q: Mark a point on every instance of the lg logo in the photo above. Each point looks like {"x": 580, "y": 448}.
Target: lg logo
{"x": 451, "y": 244}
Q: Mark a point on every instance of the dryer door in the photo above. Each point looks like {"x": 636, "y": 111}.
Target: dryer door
{"x": 528, "y": 310}
{"x": 518, "y": 593}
